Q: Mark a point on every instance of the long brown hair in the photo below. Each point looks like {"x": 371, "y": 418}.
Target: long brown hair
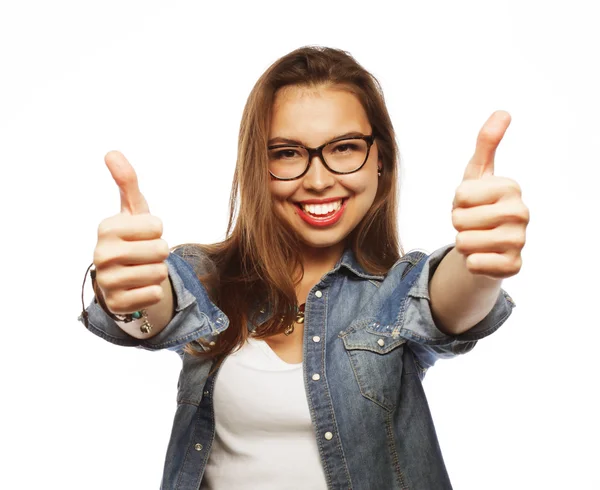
{"x": 254, "y": 264}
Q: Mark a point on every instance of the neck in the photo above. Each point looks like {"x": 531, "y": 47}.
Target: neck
{"x": 319, "y": 261}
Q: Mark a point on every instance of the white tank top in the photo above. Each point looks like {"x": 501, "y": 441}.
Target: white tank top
{"x": 264, "y": 438}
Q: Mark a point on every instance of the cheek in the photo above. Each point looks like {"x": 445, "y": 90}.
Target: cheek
{"x": 279, "y": 190}
{"x": 359, "y": 186}
{"x": 364, "y": 191}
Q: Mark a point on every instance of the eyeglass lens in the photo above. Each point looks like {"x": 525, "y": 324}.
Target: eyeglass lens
{"x": 287, "y": 162}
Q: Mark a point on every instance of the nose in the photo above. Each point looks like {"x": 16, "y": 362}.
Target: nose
{"x": 318, "y": 178}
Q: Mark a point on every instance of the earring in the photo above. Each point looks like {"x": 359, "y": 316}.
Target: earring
{"x": 379, "y": 172}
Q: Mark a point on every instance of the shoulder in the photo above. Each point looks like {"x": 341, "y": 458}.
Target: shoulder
{"x": 405, "y": 264}
{"x": 417, "y": 263}
{"x": 196, "y": 256}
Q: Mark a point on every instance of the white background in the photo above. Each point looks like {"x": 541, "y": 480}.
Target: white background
{"x": 166, "y": 84}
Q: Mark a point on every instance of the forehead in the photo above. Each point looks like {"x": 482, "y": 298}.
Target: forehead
{"x": 314, "y": 115}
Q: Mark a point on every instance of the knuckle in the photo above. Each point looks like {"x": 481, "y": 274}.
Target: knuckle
{"x": 460, "y": 243}
{"x": 525, "y": 214}
{"x": 456, "y": 218}
{"x": 157, "y": 226}
{"x": 163, "y": 249}
{"x": 110, "y": 226}
{"x": 113, "y": 303}
{"x": 512, "y": 266}
{"x": 518, "y": 264}
{"x": 514, "y": 239}
{"x": 110, "y": 282}
{"x": 460, "y": 195}
{"x": 119, "y": 253}
{"x": 103, "y": 282}
{"x": 100, "y": 257}
{"x": 110, "y": 253}
{"x": 163, "y": 272}
{"x": 517, "y": 213}
{"x": 514, "y": 186}
{"x": 472, "y": 266}
{"x": 156, "y": 294}
{"x": 105, "y": 228}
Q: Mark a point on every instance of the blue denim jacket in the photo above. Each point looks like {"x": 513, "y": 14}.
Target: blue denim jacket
{"x": 371, "y": 338}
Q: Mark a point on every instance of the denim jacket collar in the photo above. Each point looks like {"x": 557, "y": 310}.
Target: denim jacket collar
{"x": 348, "y": 261}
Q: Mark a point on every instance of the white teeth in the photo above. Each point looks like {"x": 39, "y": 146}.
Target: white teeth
{"x": 320, "y": 209}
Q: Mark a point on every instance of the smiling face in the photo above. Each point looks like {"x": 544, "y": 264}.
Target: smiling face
{"x": 313, "y": 117}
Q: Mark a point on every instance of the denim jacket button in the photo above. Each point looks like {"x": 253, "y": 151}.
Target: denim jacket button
{"x": 316, "y": 338}
{"x": 318, "y": 294}
{"x": 381, "y": 342}
{"x": 198, "y": 447}
{"x": 328, "y": 436}
{"x": 316, "y": 377}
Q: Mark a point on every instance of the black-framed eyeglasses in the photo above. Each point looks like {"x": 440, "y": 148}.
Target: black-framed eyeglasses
{"x": 344, "y": 155}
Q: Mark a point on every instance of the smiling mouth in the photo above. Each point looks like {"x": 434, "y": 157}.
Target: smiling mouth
{"x": 321, "y": 210}
{"x": 322, "y": 215}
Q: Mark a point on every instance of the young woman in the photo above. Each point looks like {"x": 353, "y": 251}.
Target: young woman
{"x": 306, "y": 334}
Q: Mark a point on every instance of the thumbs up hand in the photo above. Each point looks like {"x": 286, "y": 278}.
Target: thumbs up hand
{"x": 130, "y": 253}
{"x": 488, "y": 211}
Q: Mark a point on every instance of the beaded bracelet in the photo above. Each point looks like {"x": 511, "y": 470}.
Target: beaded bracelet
{"x": 145, "y": 326}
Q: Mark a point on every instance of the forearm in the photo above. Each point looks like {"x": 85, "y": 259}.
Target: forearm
{"x": 460, "y": 299}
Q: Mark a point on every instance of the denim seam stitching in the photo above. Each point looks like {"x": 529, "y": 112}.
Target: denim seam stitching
{"x": 189, "y": 448}
{"x": 213, "y": 425}
{"x": 173, "y": 342}
{"x": 360, "y": 388}
{"x": 448, "y": 339}
{"x": 409, "y": 258}
{"x": 326, "y": 468}
{"x": 392, "y": 447}
{"x": 418, "y": 363}
{"x": 185, "y": 401}
{"x": 376, "y": 284}
{"x": 191, "y": 336}
{"x": 124, "y": 342}
{"x": 330, "y": 404}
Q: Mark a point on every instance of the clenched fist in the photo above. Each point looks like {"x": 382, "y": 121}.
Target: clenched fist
{"x": 488, "y": 211}
{"x": 130, "y": 253}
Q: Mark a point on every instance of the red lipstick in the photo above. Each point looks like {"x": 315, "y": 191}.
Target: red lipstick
{"x": 326, "y": 220}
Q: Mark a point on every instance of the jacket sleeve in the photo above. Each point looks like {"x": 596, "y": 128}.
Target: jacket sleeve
{"x": 425, "y": 339}
{"x": 196, "y": 316}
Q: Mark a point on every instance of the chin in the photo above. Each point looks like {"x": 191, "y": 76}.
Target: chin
{"x": 323, "y": 241}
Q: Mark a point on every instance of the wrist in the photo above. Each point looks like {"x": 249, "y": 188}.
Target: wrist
{"x": 137, "y": 319}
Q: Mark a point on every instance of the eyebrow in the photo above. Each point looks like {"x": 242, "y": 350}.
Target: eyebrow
{"x": 280, "y": 140}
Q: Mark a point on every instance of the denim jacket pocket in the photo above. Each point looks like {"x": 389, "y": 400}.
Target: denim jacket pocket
{"x": 375, "y": 352}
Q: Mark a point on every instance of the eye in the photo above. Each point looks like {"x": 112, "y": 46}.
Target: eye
{"x": 345, "y": 147}
{"x": 287, "y": 153}
{"x": 284, "y": 154}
